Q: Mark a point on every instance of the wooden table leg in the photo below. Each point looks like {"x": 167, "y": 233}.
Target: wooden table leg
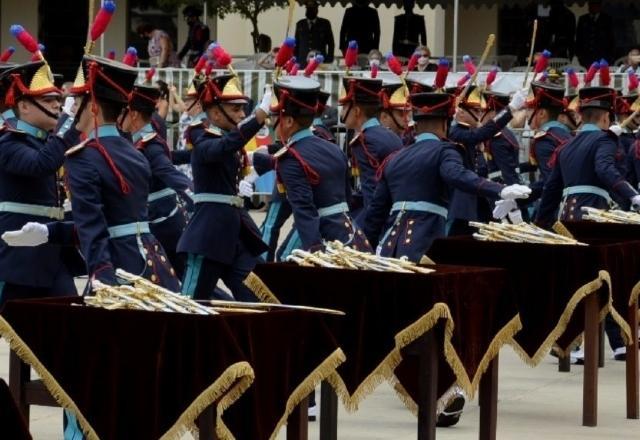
{"x": 633, "y": 375}
{"x": 489, "y": 401}
{"x": 590, "y": 379}
{"x": 19, "y": 375}
{"x": 298, "y": 423}
{"x": 207, "y": 424}
{"x": 564, "y": 363}
{"x": 428, "y": 386}
{"x": 328, "y": 412}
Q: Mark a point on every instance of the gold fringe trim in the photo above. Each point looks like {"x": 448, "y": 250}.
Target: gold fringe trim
{"x": 321, "y": 372}
{"x": 23, "y": 351}
{"x": 260, "y": 289}
{"x": 580, "y": 294}
{"x": 635, "y": 293}
{"x": 561, "y": 229}
{"x": 226, "y": 389}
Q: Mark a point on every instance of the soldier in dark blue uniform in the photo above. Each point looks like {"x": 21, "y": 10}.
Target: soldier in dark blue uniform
{"x": 221, "y": 240}
{"x": 585, "y": 172}
{"x": 409, "y": 209}
{"x": 167, "y": 217}
{"x": 313, "y": 172}
{"x": 548, "y": 105}
{"x": 372, "y": 142}
{"x": 502, "y": 151}
{"x": 467, "y": 131}
{"x": 627, "y": 137}
{"x": 396, "y": 110}
{"x": 29, "y": 161}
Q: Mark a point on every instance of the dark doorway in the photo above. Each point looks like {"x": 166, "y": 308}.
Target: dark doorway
{"x": 63, "y": 31}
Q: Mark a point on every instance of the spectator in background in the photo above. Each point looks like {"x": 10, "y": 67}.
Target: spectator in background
{"x": 198, "y": 36}
{"x": 633, "y": 61}
{"x": 424, "y": 62}
{"x": 409, "y": 31}
{"x": 562, "y": 29}
{"x": 594, "y": 36}
{"x": 314, "y": 33}
{"x": 160, "y": 48}
{"x": 360, "y": 23}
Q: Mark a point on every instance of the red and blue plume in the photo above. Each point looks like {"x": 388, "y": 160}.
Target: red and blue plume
{"x": 544, "y": 76}
{"x": 148, "y": 76}
{"x": 491, "y": 77}
{"x": 633, "y": 79}
{"x": 591, "y": 73}
{"x": 394, "y": 64}
{"x": 294, "y": 69}
{"x": 7, "y": 54}
{"x": 605, "y": 76}
{"x": 351, "y": 56}
{"x": 289, "y": 64}
{"x": 202, "y": 62}
{"x": 572, "y": 76}
{"x": 542, "y": 62}
{"x": 103, "y": 17}
{"x": 111, "y": 54}
{"x": 285, "y": 52}
{"x": 374, "y": 66}
{"x": 37, "y": 56}
{"x": 220, "y": 55}
{"x": 441, "y": 73}
{"x": 413, "y": 62}
{"x": 130, "y": 57}
{"x": 313, "y": 65}
{"x": 468, "y": 65}
{"x": 209, "y": 67}
{"x": 25, "y": 38}
{"x": 463, "y": 80}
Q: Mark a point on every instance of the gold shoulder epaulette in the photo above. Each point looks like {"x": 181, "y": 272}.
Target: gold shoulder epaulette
{"x": 76, "y": 148}
{"x": 213, "y": 130}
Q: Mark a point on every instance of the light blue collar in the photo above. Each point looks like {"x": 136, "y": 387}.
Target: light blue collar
{"x": 427, "y": 137}
{"x": 104, "y": 131}
{"x": 30, "y": 129}
{"x": 299, "y": 135}
{"x": 317, "y": 121}
{"x": 373, "y": 122}
{"x": 554, "y": 124}
{"x": 589, "y": 127}
{"x": 202, "y": 116}
{"x": 8, "y": 114}
{"x": 142, "y": 133}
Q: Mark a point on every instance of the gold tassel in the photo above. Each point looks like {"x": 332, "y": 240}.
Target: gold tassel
{"x": 561, "y": 229}
{"x": 260, "y": 289}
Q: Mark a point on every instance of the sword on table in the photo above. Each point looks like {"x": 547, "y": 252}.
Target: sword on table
{"x": 222, "y": 304}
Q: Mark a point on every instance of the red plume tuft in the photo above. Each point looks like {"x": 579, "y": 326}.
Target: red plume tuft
{"x": 605, "y": 76}
{"x": 209, "y": 68}
{"x": 131, "y": 57}
{"x": 289, "y": 65}
{"x": 351, "y": 56}
{"x": 202, "y": 62}
{"x": 591, "y": 73}
{"x": 462, "y": 81}
{"x": 294, "y": 69}
{"x": 25, "y": 38}
{"x": 285, "y": 52}
{"x": 413, "y": 62}
{"x": 441, "y": 73}
{"x": 468, "y": 65}
{"x": 111, "y": 55}
{"x": 103, "y": 17}
{"x": 574, "y": 82}
{"x": 7, "y": 54}
{"x": 542, "y": 62}
{"x": 394, "y": 64}
{"x": 491, "y": 77}
{"x": 148, "y": 76}
{"x": 313, "y": 65}
{"x": 221, "y": 56}
{"x": 633, "y": 80}
{"x": 375, "y": 67}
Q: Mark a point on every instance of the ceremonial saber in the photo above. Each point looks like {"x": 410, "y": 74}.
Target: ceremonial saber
{"x": 490, "y": 40}
{"x": 533, "y": 44}
{"x": 262, "y": 306}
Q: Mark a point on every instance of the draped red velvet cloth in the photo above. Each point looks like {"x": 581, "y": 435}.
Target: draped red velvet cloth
{"x": 133, "y": 373}
{"x": 380, "y": 305}
{"x": 542, "y": 279}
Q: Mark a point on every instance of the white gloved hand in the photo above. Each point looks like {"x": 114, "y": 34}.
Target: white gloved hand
{"x": 31, "y": 234}
{"x": 518, "y": 100}
{"x": 245, "y": 189}
{"x": 616, "y": 129}
{"x": 503, "y": 207}
{"x": 66, "y": 205}
{"x": 515, "y": 191}
{"x": 265, "y": 104}
{"x": 252, "y": 176}
{"x": 69, "y": 101}
{"x": 635, "y": 203}
{"x": 515, "y": 216}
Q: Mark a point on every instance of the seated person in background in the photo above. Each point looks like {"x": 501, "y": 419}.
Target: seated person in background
{"x": 424, "y": 62}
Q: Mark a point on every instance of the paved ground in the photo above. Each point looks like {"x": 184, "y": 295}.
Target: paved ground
{"x": 534, "y": 403}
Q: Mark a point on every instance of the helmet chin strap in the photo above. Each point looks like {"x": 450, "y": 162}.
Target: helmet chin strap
{"x": 226, "y": 115}
{"x": 343, "y": 120}
{"x": 42, "y": 109}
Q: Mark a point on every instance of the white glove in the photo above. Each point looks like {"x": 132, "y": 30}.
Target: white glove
{"x": 252, "y": 176}
{"x": 31, "y": 234}
{"x": 245, "y": 189}
{"x": 515, "y": 216}
{"x": 69, "y": 101}
{"x": 503, "y": 207}
{"x": 66, "y": 205}
{"x": 265, "y": 104}
{"x": 635, "y": 203}
{"x": 518, "y": 100}
{"x": 515, "y": 191}
{"x": 616, "y": 129}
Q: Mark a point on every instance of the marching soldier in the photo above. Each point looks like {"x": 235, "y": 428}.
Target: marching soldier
{"x": 625, "y": 106}
{"x": 29, "y": 161}
{"x": 221, "y": 240}
{"x": 167, "y": 218}
{"x": 312, "y": 172}
{"x": 585, "y": 172}
{"x": 409, "y": 209}
{"x": 372, "y": 142}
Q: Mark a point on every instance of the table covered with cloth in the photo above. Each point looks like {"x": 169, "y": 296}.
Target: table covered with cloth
{"x": 549, "y": 283}
{"x": 469, "y": 309}
{"x": 148, "y": 375}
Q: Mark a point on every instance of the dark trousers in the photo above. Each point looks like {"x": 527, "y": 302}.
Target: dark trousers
{"x": 278, "y": 213}
{"x": 202, "y": 275}
{"x": 612, "y": 329}
{"x": 62, "y": 286}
